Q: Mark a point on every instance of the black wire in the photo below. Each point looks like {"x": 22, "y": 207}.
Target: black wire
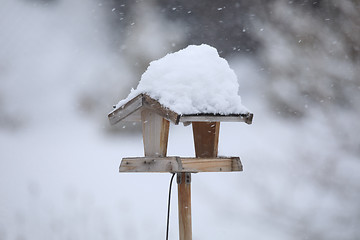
{"x": 168, "y": 212}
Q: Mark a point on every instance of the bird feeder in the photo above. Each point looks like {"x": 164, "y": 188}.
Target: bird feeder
{"x": 155, "y": 119}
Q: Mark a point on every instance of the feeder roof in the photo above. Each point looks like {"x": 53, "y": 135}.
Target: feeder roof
{"x": 131, "y": 111}
{"x": 188, "y": 85}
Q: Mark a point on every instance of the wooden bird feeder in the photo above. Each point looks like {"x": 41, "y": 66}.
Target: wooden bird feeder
{"x": 155, "y": 120}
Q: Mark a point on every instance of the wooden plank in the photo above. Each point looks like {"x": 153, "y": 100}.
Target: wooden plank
{"x": 206, "y": 138}
{"x": 155, "y": 133}
{"x": 232, "y": 164}
{"x": 134, "y": 116}
{"x": 179, "y": 164}
{"x": 148, "y": 164}
{"x": 156, "y": 107}
{"x": 124, "y": 111}
{"x": 130, "y": 110}
{"x": 247, "y": 118}
{"x": 184, "y": 205}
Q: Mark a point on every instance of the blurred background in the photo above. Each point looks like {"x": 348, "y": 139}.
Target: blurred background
{"x": 63, "y": 64}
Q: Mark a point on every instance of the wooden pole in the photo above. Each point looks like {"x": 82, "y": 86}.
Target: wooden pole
{"x": 206, "y": 138}
{"x": 184, "y": 202}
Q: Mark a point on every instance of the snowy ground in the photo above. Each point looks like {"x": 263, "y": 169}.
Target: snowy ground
{"x": 59, "y": 180}
{"x": 59, "y": 166}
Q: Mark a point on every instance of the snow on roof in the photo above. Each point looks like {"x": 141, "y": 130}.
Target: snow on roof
{"x": 191, "y": 81}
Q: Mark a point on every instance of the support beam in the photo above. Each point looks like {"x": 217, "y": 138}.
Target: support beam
{"x": 180, "y": 164}
{"x": 206, "y": 139}
{"x": 155, "y": 134}
{"x": 184, "y": 202}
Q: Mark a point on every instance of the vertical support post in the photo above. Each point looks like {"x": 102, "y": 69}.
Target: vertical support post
{"x": 206, "y": 139}
{"x": 184, "y": 202}
{"x": 155, "y": 134}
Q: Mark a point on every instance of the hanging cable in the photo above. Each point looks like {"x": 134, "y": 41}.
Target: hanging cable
{"x": 168, "y": 211}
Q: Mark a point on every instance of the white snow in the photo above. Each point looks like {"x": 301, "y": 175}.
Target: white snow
{"x": 59, "y": 165}
{"x": 193, "y": 80}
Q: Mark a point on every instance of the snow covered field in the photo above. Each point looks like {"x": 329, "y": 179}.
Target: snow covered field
{"x": 59, "y": 165}
{"x": 59, "y": 180}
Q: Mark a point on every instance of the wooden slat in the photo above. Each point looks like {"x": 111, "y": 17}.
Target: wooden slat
{"x": 148, "y": 164}
{"x": 134, "y": 116}
{"x": 156, "y": 107}
{"x": 206, "y": 139}
{"x": 180, "y": 164}
{"x": 155, "y": 134}
{"x": 130, "y": 110}
{"x": 211, "y": 164}
{"x": 124, "y": 111}
{"x": 247, "y": 118}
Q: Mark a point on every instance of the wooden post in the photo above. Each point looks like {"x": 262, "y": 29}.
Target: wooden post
{"x": 206, "y": 139}
{"x": 184, "y": 202}
{"x": 155, "y": 134}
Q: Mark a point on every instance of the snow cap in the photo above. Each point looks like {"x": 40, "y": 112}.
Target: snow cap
{"x": 191, "y": 81}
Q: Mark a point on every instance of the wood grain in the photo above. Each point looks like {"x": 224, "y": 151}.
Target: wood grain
{"x": 184, "y": 204}
{"x": 206, "y": 139}
{"x": 207, "y": 117}
{"x": 232, "y": 164}
{"x": 126, "y": 110}
{"x": 164, "y": 112}
{"x": 148, "y": 164}
{"x": 180, "y": 164}
{"x": 155, "y": 134}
